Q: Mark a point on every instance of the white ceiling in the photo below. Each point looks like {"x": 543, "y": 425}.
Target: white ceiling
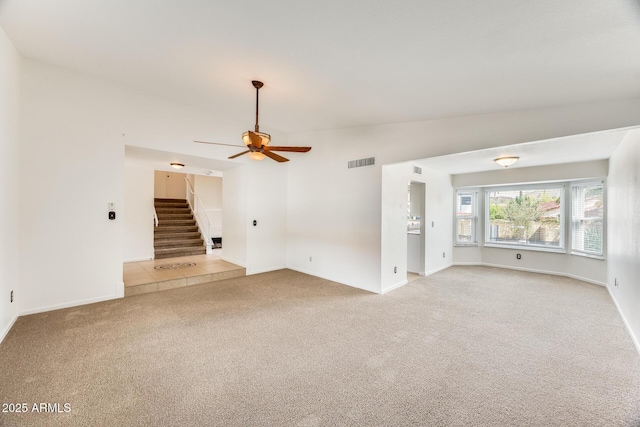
{"x": 577, "y": 148}
{"x": 160, "y": 160}
{"x": 336, "y": 64}
{"x": 333, "y": 63}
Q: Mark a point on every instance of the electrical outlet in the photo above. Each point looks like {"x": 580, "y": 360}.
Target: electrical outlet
{"x": 11, "y": 296}
{"x": 395, "y": 270}
{"x": 310, "y": 259}
{"x": 443, "y": 255}
{"x": 615, "y": 282}
{"x": 518, "y": 256}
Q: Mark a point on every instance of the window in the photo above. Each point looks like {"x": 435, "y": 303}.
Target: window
{"x": 526, "y": 216}
{"x": 466, "y": 217}
{"x": 587, "y": 218}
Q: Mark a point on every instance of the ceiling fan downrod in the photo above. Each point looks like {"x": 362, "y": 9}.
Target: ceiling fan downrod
{"x": 257, "y": 85}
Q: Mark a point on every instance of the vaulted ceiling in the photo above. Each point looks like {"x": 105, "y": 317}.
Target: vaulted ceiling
{"x": 334, "y": 64}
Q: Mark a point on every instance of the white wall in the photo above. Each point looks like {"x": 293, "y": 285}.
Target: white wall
{"x": 137, "y": 212}
{"x": 209, "y": 190}
{"x": 256, "y": 191}
{"x": 436, "y": 224}
{"x": 584, "y": 268}
{"x": 334, "y": 212}
{"x": 235, "y": 191}
{"x": 394, "y": 265}
{"x": 170, "y": 185}
{"x": 71, "y": 168}
{"x": 266, "y": 204}
{"x": 560, "y": 172}
{"x": 74, "y": 130}
{"x": 438, "y": 220}
{"x": 9, "y": 177}
{"x": 623, "y": 224}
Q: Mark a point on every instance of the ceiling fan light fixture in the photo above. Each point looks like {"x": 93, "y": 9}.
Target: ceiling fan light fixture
{"x": 506, "y": 161}
{"x": 176, "y": 165}
{"x": 246, "y": 138}
{"x": 256, "y": 155}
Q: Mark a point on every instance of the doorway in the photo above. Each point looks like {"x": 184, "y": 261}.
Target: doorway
{"x": 416, "y": 230}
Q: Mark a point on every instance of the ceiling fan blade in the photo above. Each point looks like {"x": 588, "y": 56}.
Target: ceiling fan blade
{"x": 275, "y": 156}
{"x": 239, "y": 154}
{"x": 282, "y": 148}
{"x": 218, "y": 143}
{"x": 256, "y": 141}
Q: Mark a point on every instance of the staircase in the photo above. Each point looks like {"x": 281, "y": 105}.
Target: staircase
{"x": 177, "y": 233}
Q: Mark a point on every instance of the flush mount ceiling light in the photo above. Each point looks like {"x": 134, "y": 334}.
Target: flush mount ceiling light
{"x": 177, "y": 165}
{"x": 506, "y": 161}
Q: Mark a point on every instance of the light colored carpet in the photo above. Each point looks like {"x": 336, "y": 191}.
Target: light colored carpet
{"x": 468, "y": 346}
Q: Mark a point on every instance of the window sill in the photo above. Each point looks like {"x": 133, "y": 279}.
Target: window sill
{"x": 526, "y": 248}
{"x": 600, "y": 257}
{"x": 466, "y": 245}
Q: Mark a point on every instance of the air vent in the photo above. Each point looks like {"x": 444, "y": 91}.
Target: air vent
{"x": 417, "y": 169}
{"x": 362, "y": 162}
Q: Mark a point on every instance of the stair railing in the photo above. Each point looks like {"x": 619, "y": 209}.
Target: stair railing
{"x": 200, "y": 213}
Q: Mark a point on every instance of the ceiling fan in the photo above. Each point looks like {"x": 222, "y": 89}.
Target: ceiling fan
{"x": 257, "y": 143}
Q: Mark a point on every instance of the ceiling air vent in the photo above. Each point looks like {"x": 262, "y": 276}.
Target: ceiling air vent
{"x": 362, "y": 162}
{"x": 417, "y": 169}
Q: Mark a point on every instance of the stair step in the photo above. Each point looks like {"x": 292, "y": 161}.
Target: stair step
{"x": 160, "y": 200}
{"x": 165, "y": 243}
{"x": 176, "y": 252}
{"x": 172, "y": 210}
{"x": 176, "y": 222}
{"x": 177, "y": 234}
{"x": 179, "y": 215}
{"x": 160, "y": 206}
{"x": 176, "y": 229}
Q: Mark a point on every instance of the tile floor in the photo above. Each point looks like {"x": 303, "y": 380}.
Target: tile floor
{"x": 142, "y": 277}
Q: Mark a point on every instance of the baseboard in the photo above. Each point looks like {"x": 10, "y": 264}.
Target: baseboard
{"x": 303, "y": 271}
{"x": 120, "y": 289}
{"x": 435, "y": 270}
{"x": 67, "y": 305}
{"x": 535, "y": 270}
{"x": 139, "y": 259}
{"x": 634, "y": 339}
{"x": 392, "y": 287}
{"x": 4, "y": 333}
{"x": 232, "y": 261}
{"x": 584, "y": 279}
{"x": 265, "y": 270}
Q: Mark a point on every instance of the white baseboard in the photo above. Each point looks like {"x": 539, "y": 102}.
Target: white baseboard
{"x": 139, "y": 259}
{"x": 6, "y": 330}
{"x": 392, "y": 287}
{"x": 435, "y": 270}
{"x": 67, "y": 305}
{"x": 120, "y": 289}
{"x": 534, "y": 270}
{"x": 265, "y": 270}
{"x": 303, "y": 271}
{"x": 233, "y": 261}
{"x": 634, "y": 339}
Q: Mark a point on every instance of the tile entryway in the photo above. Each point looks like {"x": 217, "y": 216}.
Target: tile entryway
{"x": 161, "y": 274}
